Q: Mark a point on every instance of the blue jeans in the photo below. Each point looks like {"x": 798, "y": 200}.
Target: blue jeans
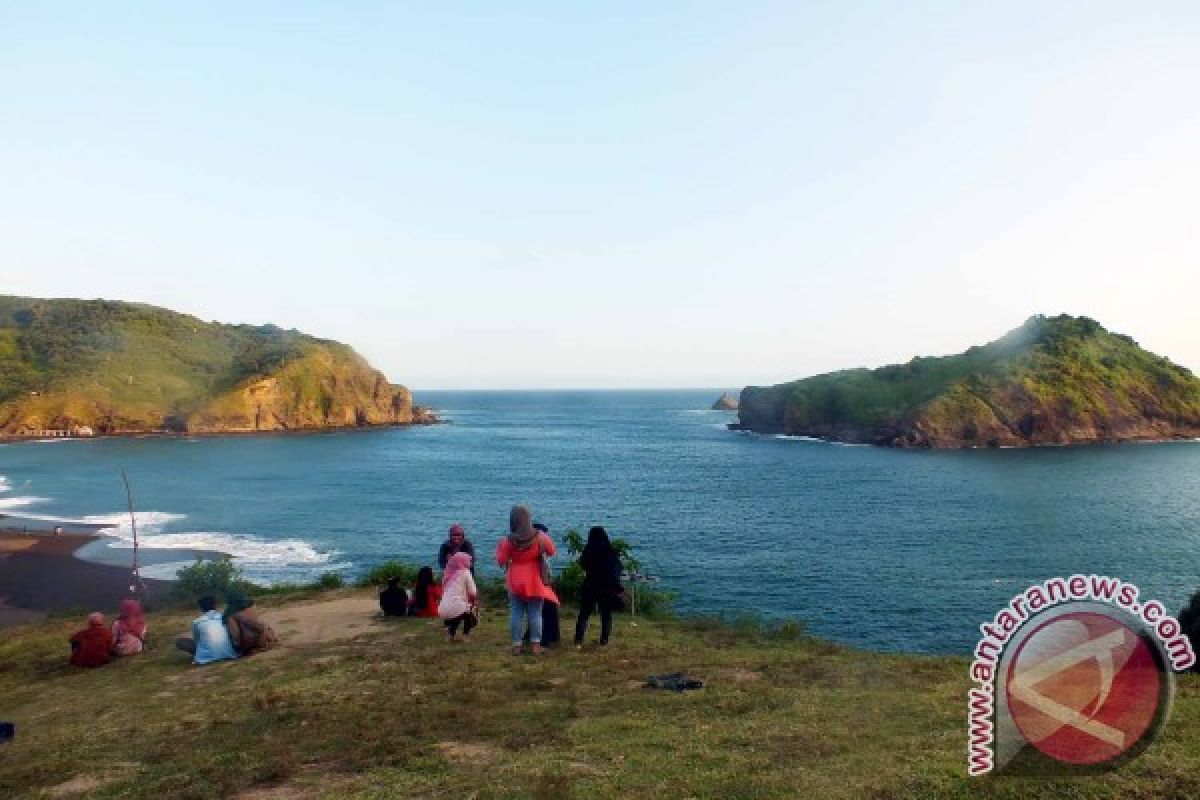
{"x": 518, "y": 609}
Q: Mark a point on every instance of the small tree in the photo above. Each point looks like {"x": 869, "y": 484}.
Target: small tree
{"x": 331, "y": 580}
{"x": 569, "y": 582}
{"x": 380, "y": 574}
{"x": 214, "y": 576}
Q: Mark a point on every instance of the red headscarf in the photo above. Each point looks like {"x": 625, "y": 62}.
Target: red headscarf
{"x": 131, "y": 617}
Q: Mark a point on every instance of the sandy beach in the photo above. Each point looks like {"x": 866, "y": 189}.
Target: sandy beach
{"x": 39, "y": 572}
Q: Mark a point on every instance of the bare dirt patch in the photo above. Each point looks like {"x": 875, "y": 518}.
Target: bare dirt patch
{"x": 80, "y": 784}
{"x": 275, "y": 793}
{"x": 472, "y": 753}
{"x": 325, "y": 621}
{"x": 740, "y": 675}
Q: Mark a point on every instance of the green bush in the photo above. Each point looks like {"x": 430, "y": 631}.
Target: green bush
{"x": 212, "y": 576}
{"x": 331, "y": 580}
{"x": 568, "y": 583}
{"x": 382, "y": 573}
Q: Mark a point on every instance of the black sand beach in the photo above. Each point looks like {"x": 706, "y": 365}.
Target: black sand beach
{"x": 39, "y": 572}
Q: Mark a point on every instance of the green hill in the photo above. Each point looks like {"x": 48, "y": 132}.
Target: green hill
{"x": 1056, "y": 380}
{"x": 125, "y": 367}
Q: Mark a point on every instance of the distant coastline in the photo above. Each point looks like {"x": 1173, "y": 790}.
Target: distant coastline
{"x": 422, "y": 416}
{"x": 737, "y": 427}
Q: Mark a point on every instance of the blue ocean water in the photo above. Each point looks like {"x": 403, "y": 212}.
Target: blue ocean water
{"x": 893, "y": 550}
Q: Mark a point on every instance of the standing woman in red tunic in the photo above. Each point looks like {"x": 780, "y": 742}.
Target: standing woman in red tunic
{"x": 521, "y": 553}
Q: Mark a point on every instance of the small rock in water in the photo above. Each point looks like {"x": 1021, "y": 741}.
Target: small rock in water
{"x": 726, "y": 402}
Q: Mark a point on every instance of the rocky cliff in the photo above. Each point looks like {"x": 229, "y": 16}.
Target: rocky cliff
{"x": 108, "y": 367}
{"x": 1060, "y": 380}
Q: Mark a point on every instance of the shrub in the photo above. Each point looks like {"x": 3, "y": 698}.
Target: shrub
{"x": 331, "y": 580}
{"x": 568, "y": 583}
{"x": 212, "y": 576}
{"x": 380, "y": 574}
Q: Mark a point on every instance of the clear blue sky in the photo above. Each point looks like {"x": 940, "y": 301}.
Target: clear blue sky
{"x": 618, "y": 194}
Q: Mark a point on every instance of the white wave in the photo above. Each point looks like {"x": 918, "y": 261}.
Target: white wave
{"x": 20, "y": 502}
{"x": 5, "y": 486}
{"x": 701, "y": 411}
{"x": 789, "y": 438}
{"x": 247, "y": 550}
{"x": 118, "y": 522}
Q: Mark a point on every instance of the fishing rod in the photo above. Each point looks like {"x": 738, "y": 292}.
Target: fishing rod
{"x": 137, "y": 585}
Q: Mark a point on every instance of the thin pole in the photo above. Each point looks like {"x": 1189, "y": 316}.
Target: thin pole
{"x": 138, "y": 583}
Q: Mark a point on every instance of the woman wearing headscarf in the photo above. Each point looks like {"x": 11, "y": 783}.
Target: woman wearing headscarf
{"x": 601, "y": 583}
{"x": 92, "y": 646}
{"x": 522, "y": 554}
{"x": 459, "y": 597}
{"x": 247, "y": 630}
{"x": 129, "y": 629}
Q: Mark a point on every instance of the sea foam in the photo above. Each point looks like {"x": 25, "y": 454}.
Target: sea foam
{"x": 19, "y": 501}
{"x": 248, "y": 550}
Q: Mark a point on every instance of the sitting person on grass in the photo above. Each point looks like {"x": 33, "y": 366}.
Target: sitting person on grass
{"x": 92, "y": 646}
{"x": 210, "y": 640}
{"x": 247, "y": 630}
{"x": 129, "y": 629}
{"x": 460, "y": 597}
{"x": 426, "y": 594}
{"x": 393, "y": 601}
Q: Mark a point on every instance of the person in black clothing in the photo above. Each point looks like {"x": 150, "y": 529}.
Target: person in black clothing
{"x": 456, "y": 543}
{"x": 393, "y": 600}
{"x": 601, "y": 584}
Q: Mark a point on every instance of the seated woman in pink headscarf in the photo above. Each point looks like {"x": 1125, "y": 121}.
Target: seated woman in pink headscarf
{"x": 92, "y": 646}
{"x": 129, "y": 629}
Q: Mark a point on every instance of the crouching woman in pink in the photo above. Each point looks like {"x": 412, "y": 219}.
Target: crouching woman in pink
{"x": 522, "y": 554}
{"x": 460, "y": 597}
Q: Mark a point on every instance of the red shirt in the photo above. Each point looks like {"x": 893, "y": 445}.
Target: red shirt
{"x": 433, "y": 598}
{"x": 91, "y": 647}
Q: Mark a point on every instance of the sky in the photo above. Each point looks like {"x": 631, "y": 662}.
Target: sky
{"x": 538, "y": 195}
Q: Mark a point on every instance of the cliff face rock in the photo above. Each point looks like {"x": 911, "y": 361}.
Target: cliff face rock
{"x": 69, "y": 365}
{"x": 1061, "y": 380}
{"x": 726, "y": 402}
{"x": 317, "y": 390}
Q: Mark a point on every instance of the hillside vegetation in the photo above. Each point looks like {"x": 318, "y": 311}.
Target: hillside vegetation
{"x": 1059, "y": 380}
{"x": 353, "y": 706}
{"x": 125, "y": 367}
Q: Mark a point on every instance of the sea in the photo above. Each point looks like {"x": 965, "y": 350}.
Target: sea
{"x": 891, "y": 550}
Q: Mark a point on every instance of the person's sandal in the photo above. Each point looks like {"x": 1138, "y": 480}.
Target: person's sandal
{"x": 538, "y": 649}
{"x": 516, "y": 650}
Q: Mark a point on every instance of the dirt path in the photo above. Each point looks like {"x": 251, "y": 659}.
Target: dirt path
{"x": 326, "y": 620}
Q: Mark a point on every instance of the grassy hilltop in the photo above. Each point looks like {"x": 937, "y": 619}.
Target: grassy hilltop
{"x": 353, "y": 706}
{"x": 125, "y": 367}
{"x": 1057, "y": 380}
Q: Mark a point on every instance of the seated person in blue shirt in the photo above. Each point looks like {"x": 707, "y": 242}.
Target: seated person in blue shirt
{"x": 210, "y": 640}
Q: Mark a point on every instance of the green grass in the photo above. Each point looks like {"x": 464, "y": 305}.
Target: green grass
{"x": 399, "y": 712}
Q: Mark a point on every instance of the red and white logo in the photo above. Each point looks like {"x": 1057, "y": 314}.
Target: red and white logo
{"x": 1085, "y": 688}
